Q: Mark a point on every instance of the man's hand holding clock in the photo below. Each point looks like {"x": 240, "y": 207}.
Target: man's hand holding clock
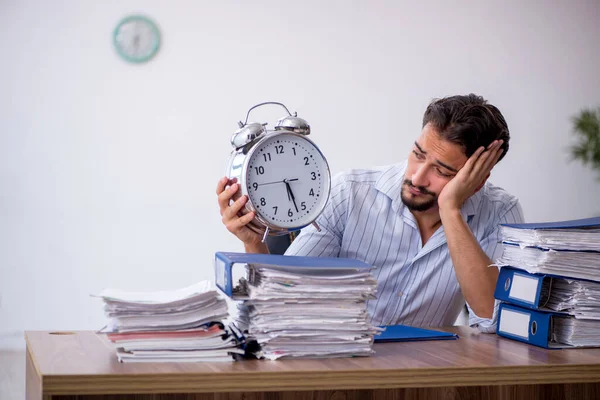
{"x": 231, "y": 220}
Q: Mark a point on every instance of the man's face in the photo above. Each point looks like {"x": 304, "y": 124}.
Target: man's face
{"x": 432, "y": 163}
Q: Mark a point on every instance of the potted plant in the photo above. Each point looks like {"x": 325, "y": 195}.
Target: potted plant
{"x": 586, "y": 128}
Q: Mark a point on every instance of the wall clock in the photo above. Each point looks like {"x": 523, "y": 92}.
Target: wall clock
{"x": 136, "y": 39}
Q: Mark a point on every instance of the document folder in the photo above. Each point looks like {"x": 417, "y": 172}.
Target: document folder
{"x": 577, "y": 235}
{"x": 404, "y": 333}
{"x": 528, "y": 326}
{"x": 547, "y": 292}
{"x": 521, "y": 288}
{"x": 224, "y": 262}
{"x": 570, "y": 224}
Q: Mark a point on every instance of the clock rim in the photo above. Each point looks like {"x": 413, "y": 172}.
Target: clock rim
{"x": 279, "y": 230}
{"x": 155, "y": 30}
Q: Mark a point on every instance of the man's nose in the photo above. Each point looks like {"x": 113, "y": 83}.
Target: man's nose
{"x": 420, "y": 177}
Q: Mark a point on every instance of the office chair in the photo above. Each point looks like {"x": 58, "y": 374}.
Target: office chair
{"x": 279, "y": 244}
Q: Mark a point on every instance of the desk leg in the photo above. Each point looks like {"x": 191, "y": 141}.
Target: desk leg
{"x": 513, "y": 392}
{"x": 33, "y": 382}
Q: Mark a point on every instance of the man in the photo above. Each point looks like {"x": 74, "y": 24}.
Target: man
{"x": 430, "y": 225}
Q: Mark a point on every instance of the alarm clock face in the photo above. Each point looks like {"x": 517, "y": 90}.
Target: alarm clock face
{"x": 287, "y": 180}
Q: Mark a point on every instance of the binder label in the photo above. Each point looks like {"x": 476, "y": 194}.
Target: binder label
{"x": 514, "y": 323}
{"x": 523, "y": 288}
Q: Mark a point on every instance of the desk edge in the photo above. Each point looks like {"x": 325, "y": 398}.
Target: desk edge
{"x": 316, "y": 380}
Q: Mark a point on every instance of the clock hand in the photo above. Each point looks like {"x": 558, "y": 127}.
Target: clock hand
{"x": 289, "y": 190}
{"x": 269, "y": 183}
{"x": 290, "y": 193}
{"x": 282, "y": 181}
{"x": 136, "y": 43}
{"x": 136, "y": 38}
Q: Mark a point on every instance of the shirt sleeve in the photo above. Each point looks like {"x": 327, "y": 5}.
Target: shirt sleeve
{"x": 492, "y": 246}
{"x": 326, "y": 242}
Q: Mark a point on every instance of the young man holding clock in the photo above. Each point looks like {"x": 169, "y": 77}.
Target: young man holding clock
{"x": 429, "y": 225}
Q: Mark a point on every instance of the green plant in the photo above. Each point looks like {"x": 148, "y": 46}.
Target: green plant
{"x": 586, "y": 127}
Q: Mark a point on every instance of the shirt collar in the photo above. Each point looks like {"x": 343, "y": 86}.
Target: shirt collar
{"x": 390, "y": 181}
{"x": 470, "y": 206}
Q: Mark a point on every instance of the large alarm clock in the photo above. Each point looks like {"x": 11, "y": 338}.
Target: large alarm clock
{"x": 283, "y": 173}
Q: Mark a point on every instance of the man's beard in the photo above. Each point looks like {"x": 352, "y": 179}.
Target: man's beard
{"x": 416, "y": 205}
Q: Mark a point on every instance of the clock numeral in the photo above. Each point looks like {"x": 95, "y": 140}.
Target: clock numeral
{"x": 275, "y": 208}
{"x": 263, "y": 202}
{"x": 290, "y": 213}
{"x": 267, "y": 157}
{"x": 314, "y": 176}
{"x": 294, "y": 150}
{"x": 255, "y": 186}
{"x": 260, "y": 170}
{"x": 311, "y": 193}
{"x": 306, "y": 161}
{"x": 303, "y": 205}
{"x": 279, "y": 148}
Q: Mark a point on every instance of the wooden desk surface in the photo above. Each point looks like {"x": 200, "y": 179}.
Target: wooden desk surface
{"x": 85, "y": 363}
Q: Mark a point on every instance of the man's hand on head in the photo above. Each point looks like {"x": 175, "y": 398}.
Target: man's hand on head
{"x": 470, "y": 178}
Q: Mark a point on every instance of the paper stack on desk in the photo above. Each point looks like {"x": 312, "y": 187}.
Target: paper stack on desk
{"x": 302, "y": 307}
{"x": 580, "y": 234}
{"x": 550, "y": 283}
{"x": 573, "y": 296}
{"x": 179, "y": 325}
{"x": 566, "y": 248}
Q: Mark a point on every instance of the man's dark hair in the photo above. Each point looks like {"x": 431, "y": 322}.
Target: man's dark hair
{"x": 468, "y": 121}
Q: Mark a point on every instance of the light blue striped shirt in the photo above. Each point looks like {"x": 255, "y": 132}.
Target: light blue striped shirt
{"x": 365, "y": 219}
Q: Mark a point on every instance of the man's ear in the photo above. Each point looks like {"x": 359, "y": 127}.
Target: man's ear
{"x": 482, "y": 183}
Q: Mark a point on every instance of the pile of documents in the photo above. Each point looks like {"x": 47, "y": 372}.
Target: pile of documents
{"x": 550, "y": 283}
{"x": 576, "y": 264}
{"x": 573, "y": 296}
{"x": 301, "y": 307}
{"x": 180, "y": 325}
{"x": 576, "y": 332}
{"x": 566, "y": 248}
{"x": 566, "y": 235}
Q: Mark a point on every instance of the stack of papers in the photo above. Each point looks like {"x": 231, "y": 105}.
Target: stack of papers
{"x": 576, "y": 332}
{"x": 582, "y": 234}
{"x": 565, "y": 248}
{"x": 179, "y": 325}
{"x": 315, "y": 312}
{"x": 566, "y": 307}
{"x": 576, "y": 297}
{"x": 575, "y": 264}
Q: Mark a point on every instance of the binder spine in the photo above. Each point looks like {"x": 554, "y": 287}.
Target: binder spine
{"x": 519, "y": 287}
{"x": 525, "y": 325}
{"x": 223, "y": 275}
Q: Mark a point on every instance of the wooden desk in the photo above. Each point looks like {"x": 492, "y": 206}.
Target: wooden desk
{"x": 477, "y": 366}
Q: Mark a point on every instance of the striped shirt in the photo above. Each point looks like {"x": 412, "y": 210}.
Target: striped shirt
{"x": 365, "y": 219}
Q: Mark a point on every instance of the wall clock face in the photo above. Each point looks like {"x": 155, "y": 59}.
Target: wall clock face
{"x": 136, "y": 38}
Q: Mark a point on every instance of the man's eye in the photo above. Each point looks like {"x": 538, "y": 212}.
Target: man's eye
{"x": 441, "y": 173}
{"x": 418, "y": 155}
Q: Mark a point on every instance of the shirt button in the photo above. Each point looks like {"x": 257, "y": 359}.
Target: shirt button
{"x": 400, "y": 294}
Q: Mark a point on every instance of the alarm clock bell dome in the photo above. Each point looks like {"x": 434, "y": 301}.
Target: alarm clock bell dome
{"x": 247, "y": 133}
{"x": 294, "y": 124}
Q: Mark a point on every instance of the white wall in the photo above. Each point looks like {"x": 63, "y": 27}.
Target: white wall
{"x": 108, "y": 170}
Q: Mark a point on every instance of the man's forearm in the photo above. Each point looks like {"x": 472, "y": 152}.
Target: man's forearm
{"x": 477, "y": 281}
